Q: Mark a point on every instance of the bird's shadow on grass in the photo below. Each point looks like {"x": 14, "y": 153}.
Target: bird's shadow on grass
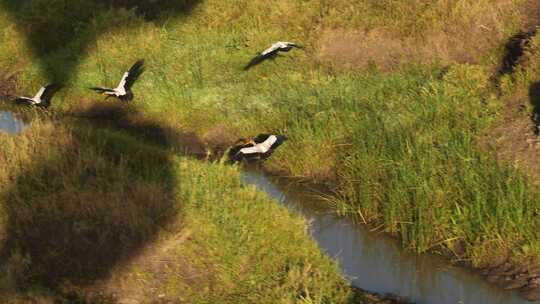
{"x": 86, "y": 199}
{"x": 515, "y": 48}
{"x": 534, "y": 99}
{"x": 59, "y": 31}
{"x": 258, "y": 59}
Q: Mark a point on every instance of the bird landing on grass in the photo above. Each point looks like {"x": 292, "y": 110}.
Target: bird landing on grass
{"x": 123, "y": 90}
{"x": 261, "y": 147}
{"x": 272, "y": 52}
{"x": 43, "y": 96}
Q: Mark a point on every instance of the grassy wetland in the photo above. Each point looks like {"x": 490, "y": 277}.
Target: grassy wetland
{"x": 415, "y": 113}
{"x": 93, "y": 214}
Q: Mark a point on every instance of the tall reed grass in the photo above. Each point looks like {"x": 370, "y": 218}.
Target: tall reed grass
{"x": 399, "y": 144}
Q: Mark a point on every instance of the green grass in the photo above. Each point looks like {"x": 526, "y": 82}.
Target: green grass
{"x": 83, "y": 203}
{"x": 429, "y": 182}
{"x": 397, "y": 138}
{"x": 249, "y": 270}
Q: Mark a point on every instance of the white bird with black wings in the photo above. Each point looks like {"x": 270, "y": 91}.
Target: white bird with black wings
{"x": 123, "y": 90}
{"x": 43, "y": 96}
{"x": 272, "y": 52}
{"x": 260, "y": 147}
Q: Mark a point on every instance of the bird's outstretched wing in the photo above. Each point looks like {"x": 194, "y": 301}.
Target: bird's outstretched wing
{"x": 132, "y": 74}
{"x": 293, "y": 45}
{"x": 273, "y": 49}
{"x": 234, "y": 152}
{"x": 252, "y": 150}
{"x": 255, "y": 61}
{"x": 261, "y": 138}
{"x": 39, "y": 93}
{"x": 24, "y": 100}
{"x": 101, "y": 90}
{"x": 48, "y": 92}
{"x": 271, "y": 52}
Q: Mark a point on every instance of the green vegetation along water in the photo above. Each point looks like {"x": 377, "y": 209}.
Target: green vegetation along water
{"x": 92, "y": 214}
{"x": 391, "y": 103}
{"x": 372, "y": 262}
{"x": 375, "y": 262}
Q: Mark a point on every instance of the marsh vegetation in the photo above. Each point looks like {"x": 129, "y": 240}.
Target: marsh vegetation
{"x": 399, "y": 106}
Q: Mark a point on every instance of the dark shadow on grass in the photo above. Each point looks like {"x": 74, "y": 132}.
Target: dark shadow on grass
{"x": 94, "y": 201}
{"x": 534, "y": 98}
{"x": 515, "y": 48}
{"x": 258, "y": 59}
{"x": 59, "y": 31}
{"x": 118, "y": 116}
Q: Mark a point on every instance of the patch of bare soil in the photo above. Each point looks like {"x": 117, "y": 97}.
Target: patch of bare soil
{"x": 463, "y": 41}
{"x": 516, "y": 139}
{"x": 524, "y": 277}
{"x": 386, "y": 50}
{"x": 219, "y": 139}
{"x": 531, "y": 15}
{"x": 516, "y": 143}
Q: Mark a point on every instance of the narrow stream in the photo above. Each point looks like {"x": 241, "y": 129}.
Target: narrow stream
{"x": 372, "y": 261}
{"x": 377, "y": 263}
{"x": 10, "y": 123}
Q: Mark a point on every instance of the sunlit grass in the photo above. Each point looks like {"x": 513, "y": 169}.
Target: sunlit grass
{"x": 400, "y": 147}
{"x": 81, "y": 201}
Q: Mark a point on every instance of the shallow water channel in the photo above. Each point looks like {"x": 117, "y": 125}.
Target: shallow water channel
{"x": 372, "y": 261}
{"x": 377, "y": 263}
{"x": 10, "y": 123}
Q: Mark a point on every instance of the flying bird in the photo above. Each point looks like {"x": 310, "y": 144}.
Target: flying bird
{"x": 260, "y": 147}
{"x": 272, "y": 52}
{"x": 43, "y": 96}
{"x": 123, "y": 90}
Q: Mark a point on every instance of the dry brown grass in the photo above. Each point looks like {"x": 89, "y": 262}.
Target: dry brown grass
{"x": 515, "y": 143}
{"x": 531, "y": 14}
{"x": 452, "y": 33}
{"x": 515, "y": 139}
{"x": 219, "y": 137}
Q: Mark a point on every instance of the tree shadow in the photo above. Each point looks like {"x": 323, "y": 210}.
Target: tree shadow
{"x": 59, "y": 31}
{"x": 76, "y": 210}
{"x": 534, "y": 99}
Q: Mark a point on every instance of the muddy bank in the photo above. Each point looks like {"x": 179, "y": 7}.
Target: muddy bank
{"x": 524, "y": 277}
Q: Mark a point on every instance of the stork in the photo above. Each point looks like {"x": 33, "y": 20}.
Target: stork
{"x": 272, "y": 52}
{"x": 260, "y": 147}
{"x": 43, "y": 96}
{"x": 123, "y": 90}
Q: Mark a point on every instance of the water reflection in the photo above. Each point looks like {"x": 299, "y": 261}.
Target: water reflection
{"x": 377, "y": 263}
{"x": 10, "y": 123}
